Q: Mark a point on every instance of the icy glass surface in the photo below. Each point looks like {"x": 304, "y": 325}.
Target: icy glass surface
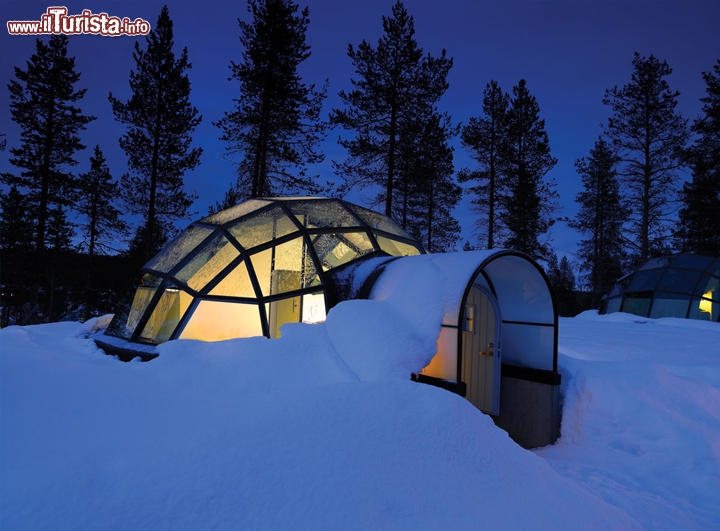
{"x": 679, "y": 280}
{"x": 613, "y": 305}
{"x": 262, "y": 228}
{"x": 212, "y": 258}
{"x": 359, "y": 241}
{"x": 378, "y": 221}
{"x": 235, "y": 212}
{"x": 167, "y": 314}
{"x": 714, "y": 268}
{"x": 261, "y": 263}
{"x": 653, "y": 263}
{"x": 709, "y": 287}
{"x": 335, "y": 250}
{"x": 704, "y": 309}
{"x": 521, "y": 290}
{"x": 322, "y": 214}
{"x": 637, "y": 305}
{"x": 645, "y": 280}
{"x": 396, "y": 248}
{"x": 293, "y": 268}
{"x": 142, "y": 298}
{"x": 692, "y": 261}
{"x": 669, "y": 305}
{"x": 236, "y": 284}
{"x": 178, "y": 249}
{"x": 215, "y": 321}
{"x": 528, "y": 346}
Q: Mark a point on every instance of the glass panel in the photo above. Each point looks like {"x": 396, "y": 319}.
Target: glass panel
{"x": 653, "y": 263}
{"x": 613, "y": 305}
{"x": 235, "y": 212}
{"x": 714, "y": 268}
{"x": 528, "y": 345}
{"x": 679, "y": 280}
{"x": 178, "y": 249}
{"x": 261, "y": 263}
{"x": 360, "y": 241}
{"x": 165, "y": 317}
{"x": 521, "y": 290}
{"x": 637, "y": 305}
{"x": 205, "y": 266}
{"x": 669, "y": 305}
{"x": 281, "y": 312}
{"x": 143, "y": 296}
{"x": 692, "y": 261}
{"x": 294, "y": 268}
{"x": 235, "y": 284}
{"x": 324, "y": 213}
{"x": 313, "y": 308}
{"x": 469, "y": 319}
{"x": 709, "y": 287}
{"x": 645, "y": 280}
{"x": 396, "y": 248}
{"x": 704, "y": 309}
{"x": 262, "y": 228}
{"x": 378, "y": 221}
{"x": 215, "y": 321}
{"x": 332, "y": 251}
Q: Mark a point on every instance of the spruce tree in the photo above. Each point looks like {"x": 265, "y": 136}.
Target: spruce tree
{"x": 96, "y": 195}
{"x": 530, "y": 200}
{"x": 483, "y": 138}
{"x": 601, "y": 217}
{"x": 648, "y": 135}
{"x": 160, "y": 121}
{"x": 42, "y": 99}
{"x": 16, "y": 226}
{"x": 433, "y": 193}
{"x": 102, "y": 222}
{"x": 276, "y": 125}
{"x": 395, "y": 84}
{"x": 698, "y": 229}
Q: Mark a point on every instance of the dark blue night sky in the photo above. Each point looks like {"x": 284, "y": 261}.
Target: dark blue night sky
{"x": 569, "y": 52}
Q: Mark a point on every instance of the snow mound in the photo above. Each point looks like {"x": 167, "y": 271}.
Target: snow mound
{"x": 319, "y": 429}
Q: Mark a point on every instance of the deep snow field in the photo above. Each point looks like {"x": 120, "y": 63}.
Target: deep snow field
{"x": 322, "y": 429}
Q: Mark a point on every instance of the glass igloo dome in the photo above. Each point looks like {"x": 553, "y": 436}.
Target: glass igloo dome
{"x": 248, "y": 270}
{"x": 681, "y": 285}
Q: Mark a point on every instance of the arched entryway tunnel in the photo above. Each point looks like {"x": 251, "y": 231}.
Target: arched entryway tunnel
{"x": 497, "y": 344}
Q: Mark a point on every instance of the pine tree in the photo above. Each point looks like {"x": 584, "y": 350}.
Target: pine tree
{"x": 41, "y": 102}
{"x": 16, "y": 225}
{"x": 160, "y": 122}
{"x": 395, "y": 85}
{"x": 96, "y": 195}
{"x": 648, "y": 135}
{"x": 3, "y": 142}
{"x": 601, "y": 217}
{"x": 483, "y": 138}
{"x": 699, "y": 224}
{"x": 103, "y": 224}
{"x": 434, "y": 193}
{"x": 276, "y": 124}
{"x": 530, "y": 201}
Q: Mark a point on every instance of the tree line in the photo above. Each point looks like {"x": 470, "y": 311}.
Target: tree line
{"x": 399, "y": 156}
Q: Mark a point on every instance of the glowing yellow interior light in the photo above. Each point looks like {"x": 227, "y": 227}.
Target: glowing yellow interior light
{"x": 706, "y": 305}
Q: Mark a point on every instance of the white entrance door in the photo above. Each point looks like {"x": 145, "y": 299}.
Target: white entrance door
{"x": 481, "y": 356}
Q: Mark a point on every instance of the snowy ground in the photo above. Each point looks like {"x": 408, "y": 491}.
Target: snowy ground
{"x": 312, "y": 432}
